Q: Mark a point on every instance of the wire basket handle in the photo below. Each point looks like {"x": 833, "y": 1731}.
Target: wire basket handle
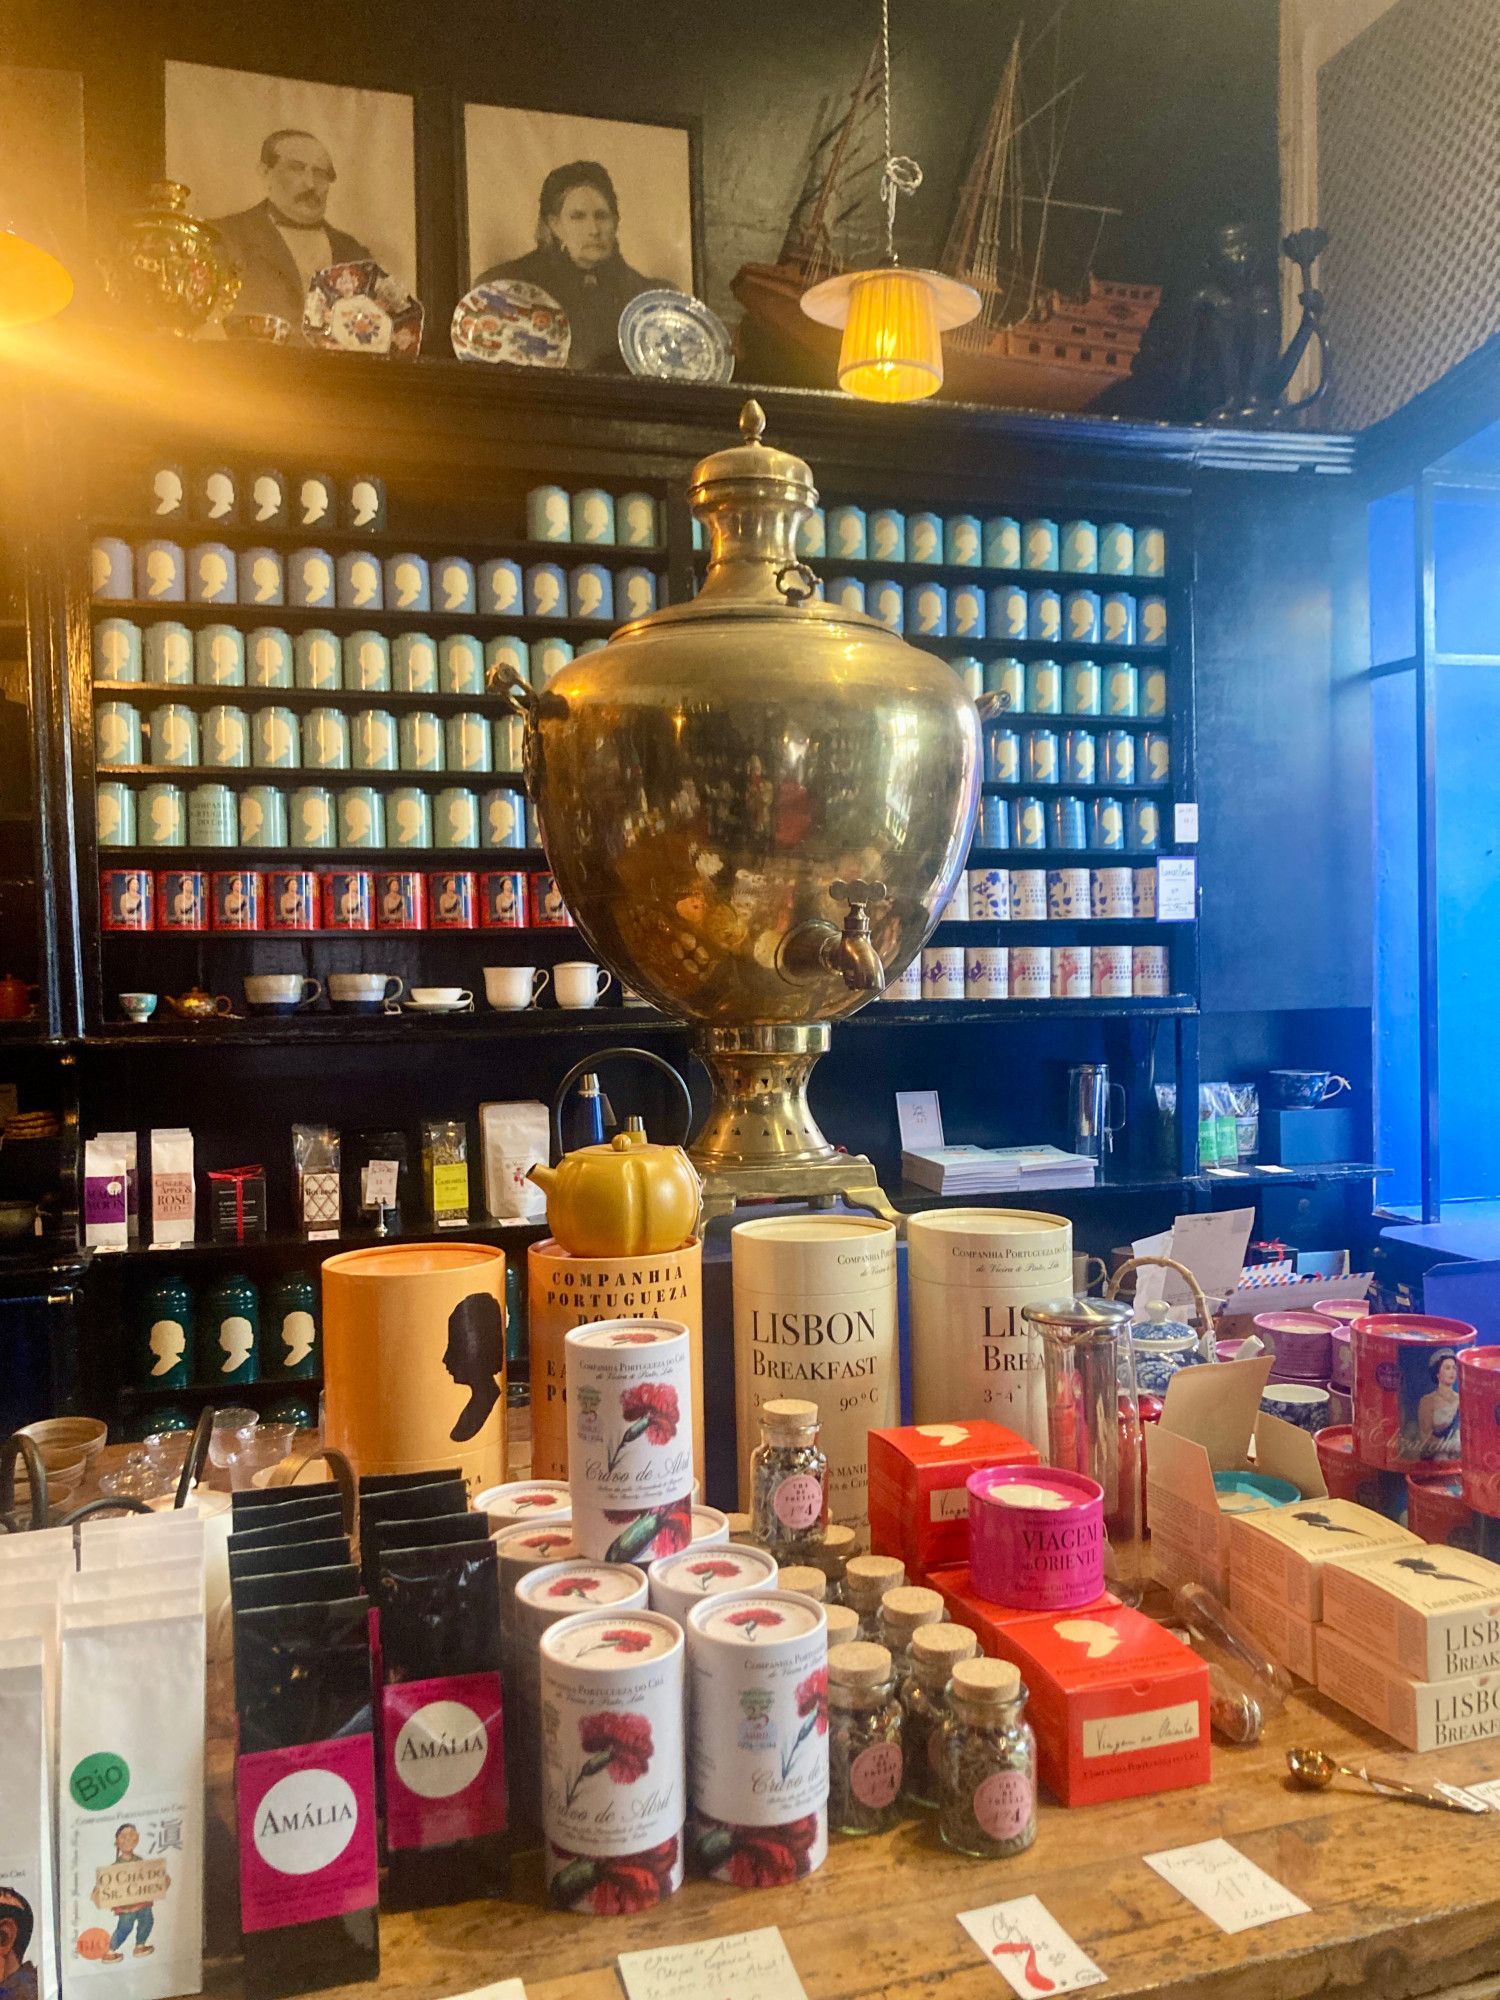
{"x": 1200, "y": 1297}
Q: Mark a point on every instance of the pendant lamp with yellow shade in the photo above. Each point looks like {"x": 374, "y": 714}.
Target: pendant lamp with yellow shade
{"x": 893, "y": 317}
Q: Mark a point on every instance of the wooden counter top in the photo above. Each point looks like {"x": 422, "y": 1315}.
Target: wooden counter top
{"x": 1405, "y": 1899}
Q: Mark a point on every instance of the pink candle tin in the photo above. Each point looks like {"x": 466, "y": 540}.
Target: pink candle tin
{"x": 1036, "y": 1537}
{"x": 1341, "y": 1352}
{"x": 1479, "y": 1398}
{"x": 1343, "y": 1312}
{"x": 1406, "y": 1403}
{"x": 1300, "y": 1342}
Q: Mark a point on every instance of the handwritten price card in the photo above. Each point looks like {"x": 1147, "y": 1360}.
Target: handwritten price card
{"x": 1029, "y": 1948}
{"x": 751, "y": 1965}
{"x": 1225, "y": 1885}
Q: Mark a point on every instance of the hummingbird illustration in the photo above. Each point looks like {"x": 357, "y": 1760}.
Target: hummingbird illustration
{"x": 1421, "y": 1566}
{"x": 1322, "y": 1521}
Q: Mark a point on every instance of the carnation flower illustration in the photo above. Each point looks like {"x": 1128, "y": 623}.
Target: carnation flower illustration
{"x": 751, "y": 1620}
{"x": 618, "y": 1639}
{"x": 757, "y": 1857}
{"x": 812, "y": 1707}
{"x": 576, "y": 1586}
{"x": 632, "y": 1340}
{"x": 620, "y": 1744}
{"x": 537, "y": 1503}
{"x": 615, "y": 1885}
{"x": 650, "y": 1411}
{"x": 709, "y": 1568}
{"x": 660, "y": 1531}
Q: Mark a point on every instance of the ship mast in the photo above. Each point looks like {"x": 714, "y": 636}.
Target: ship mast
{"x": 809, "y": 245}
{"x": 986, "y": 226}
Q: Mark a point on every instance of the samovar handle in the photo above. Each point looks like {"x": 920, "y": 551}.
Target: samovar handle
{"x": 796, "y": 582}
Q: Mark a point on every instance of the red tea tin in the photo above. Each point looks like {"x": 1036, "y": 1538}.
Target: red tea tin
{"x": 451, "y": 901}
{"x": 182, "y": 900}
{"x": 1345, "y": 1476}
{"x": 1436, "y": 1508}
{"x": 1036, "y": 1537}
{"x": 1406, "y": 1401}
{"x": 237, "y": 896}
{"x": 292, "y": 899}
{"x": 548, "y": 910}
{"x": 348, "y": 899}
{"x": 502, "y": 901}
{"x": 1479, "y": 1397}
{"x": 400, "y": 900}
{"x": 127, "y": 899}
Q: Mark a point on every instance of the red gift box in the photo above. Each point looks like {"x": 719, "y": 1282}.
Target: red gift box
{"x": 1120, "y": 1707}
{"x": 919, "y": 1509}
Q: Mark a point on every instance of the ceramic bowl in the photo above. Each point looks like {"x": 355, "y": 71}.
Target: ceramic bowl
{"x": 85, "y": 1434}
{"x": 1304, "y": 1404}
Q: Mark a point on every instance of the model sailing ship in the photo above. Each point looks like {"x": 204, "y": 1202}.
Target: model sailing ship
{"x": 1036, "y": 344}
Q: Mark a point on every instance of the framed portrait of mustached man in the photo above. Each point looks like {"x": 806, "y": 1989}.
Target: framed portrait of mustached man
{"x": 295, "y": 176}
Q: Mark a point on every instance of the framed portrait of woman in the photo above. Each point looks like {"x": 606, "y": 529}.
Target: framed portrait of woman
{"x": 593, "y": 210}
{"x": 295, "y": 176}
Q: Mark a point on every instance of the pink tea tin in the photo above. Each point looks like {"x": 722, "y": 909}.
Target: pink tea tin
{"x": 1406, "y": 1396}
{"x": 1300, "y": 1342}
{"x": 1479, "y": 1399}
{"x": 1036, "y": 1537}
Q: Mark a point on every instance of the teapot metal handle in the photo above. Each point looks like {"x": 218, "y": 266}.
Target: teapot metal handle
{"x": 585, "y": 1063}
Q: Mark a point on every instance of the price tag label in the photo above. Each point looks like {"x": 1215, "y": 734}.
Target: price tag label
{"x": 380, "y": 1180}
{"x": 1226, "y": 1885}
{"x": 1184, "y": 824}
{"x": 750, "y": 1965}
{"x": 1176, "y": 889}
{"x": 1029, "y": 1948}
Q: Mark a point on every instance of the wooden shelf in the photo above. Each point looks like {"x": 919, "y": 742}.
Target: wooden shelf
{"x": 193, "y": 695}
{"x": 317, "y": 1029}
{"x": 1065, "y": 857}
{"x": 994, "y": 1013}
{"x": 1044, "y": 649}
{"x": 291, "y": 1242}
{"x": 372, "y": 618}
{"x": 1055, "y": 787}
{"x": 243, "y": 777}
{"x": 873, "y": 569}
{"x": 433, "y": 547}
{"x": 477, "y": 860}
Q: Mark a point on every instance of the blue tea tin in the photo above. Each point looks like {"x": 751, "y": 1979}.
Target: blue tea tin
{"x": 160, "y": 572}
{"x": 469, "y": 748}
{"x": 1039, "y": 757}
{"x": 1081, "y": 616}
{"x": 886, "y": 535}
{"x": 325, "y": 740}
{"x": 361, "y": 820}
{"x": 114, "y": 814}
{"x": 408, "y": 583}
{"x": 1119, "y": 757}
{"x": 1157, "y": 751}
{"x": 453, "y": 587}
{"x": 547, "y": 656}
{"x": 219, "y": 656}
{"x": 1118, "y": 618}
{"x": 455, "y": 818}
{"x": 926, "y": 611}
{"x": 847, "y": 534}
{"x": 1107, "y": 826}
{"x": 161, "y": 816}
{"x": 1083, "y": 687}
{"x": 318, "y": 661}
{"x": 1121, "y": 689}
{"x": 408, "y": 817}
{"x": 268, "y": 657}
{"x": 635, "y": 593}
{"x": 267, "y": 501}
{"x": 971, "y": 672}
{"x": 373, "y": 740}
{"x": 1028, "y": 823}
{"x": 886, "y": 600}
{"x": 1039, "y": 545}
{"x": 1151, "y": 552}
{"x": 359, "y": 584}
{"x": 168, "y": 654}
{"x": 1145, "y": 826}
{"x": 503, "y": 819}
{"x": 414, "y": 666}
{"x": 549, "y": 516}
{"x": 1153, "y": 691}
{"x": 994, "y": 822}
{"x": 263, "y": 820}
{"x": 1153, "y": 621}
{"x": 1043, "y": 687}
{"x": 924, "y": 538}
{"x": 812, "y": 534}
{"x": 966, "y": 611}
{"x": 1044, "y": 615}
{"x": 1001, "y": 542}
{"x": 461, "y": 664}
{"x": 635, "y": 521}
{"x": 1002, "y": 755}
{"x": 367, "y": 662}
{"x": 362, "y": 503}
{"x": 312, "y": 817}
{"x": 593, "y": 515}
{"x": 275, "y": 741}
{"x": 1080, "y": 753}
{"x": 262, "y": 577}
{"x": 315, "y": 504}
{"x": 1005, "y": 679}
{"x": 961, "y": 541}
{"x": 309, "y": 580}
{"x": 226, "y": 738}
{"x": 117, "y": 734}
{"x": 174, "y": 735}
{"x": 1080, "y": 547}
{"x": 546, "y": 592}
{"x": 501, "y": 589}
{"x": 1008, "y": 611}
{"x": 591, "y": 591}
{"x": 213, "y": 818}
{"x": 1116, "y": 549}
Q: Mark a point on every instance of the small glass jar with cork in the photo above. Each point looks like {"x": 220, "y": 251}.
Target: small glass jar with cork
{"x": 935, "y": 1651}
{"x": 904, "y": 1611}
{"x": 833, "y": 1556}
{"x": 804, "y": 1578}
{"x": 788, "y": 1480}
{"x": 866, "y": 1581}
{"x": 987, "y": 1763}
{"x": 843, "y": 1624}
{"x": 864, "y": 1740}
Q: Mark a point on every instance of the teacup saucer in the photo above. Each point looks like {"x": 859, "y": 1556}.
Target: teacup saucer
{"x": 439, "y": 1006}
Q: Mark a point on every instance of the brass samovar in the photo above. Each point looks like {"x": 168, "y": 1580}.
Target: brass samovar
{"x": 755, "y": 805}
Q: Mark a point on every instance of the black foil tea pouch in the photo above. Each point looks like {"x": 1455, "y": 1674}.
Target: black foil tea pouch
{"x": 442, "y": 1494}
{"x": 442, "y": 1736}
{"x": 288, "y": 1555}
{"x": 297, "y": 1586}
{"x": 442, "y": 1531}
{"x": 256, "y": 1499}
{"x": 305, "y": 1798}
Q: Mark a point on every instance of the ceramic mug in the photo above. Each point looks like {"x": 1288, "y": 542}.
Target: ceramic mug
{"x": 512, "y": 987}
{"x": 363, "y": 992}
{"x": 578, "y": 982}
{"x": 268, "y": 657}
{"x": 137, "y": 1006}
{"x": 408, "y": 583}
{"x": 280, "y": 992}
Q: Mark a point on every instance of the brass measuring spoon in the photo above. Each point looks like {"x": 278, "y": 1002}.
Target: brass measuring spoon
{"x": 1316, "y": 1770}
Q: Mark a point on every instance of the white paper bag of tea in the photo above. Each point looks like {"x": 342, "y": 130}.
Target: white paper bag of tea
{"x": 514, "y": 1138}
{"x": 130, "y": 1798}
{"x": 140, "y": 1538}
{"x": 148, "y": 1580}
{"x": 46, "y": 1546}
{"x": 129, "y": 1147}
{"x": 173, "y": 1197}
{"x": 28, "y": 1890}
{"x": 106, "y": 1214}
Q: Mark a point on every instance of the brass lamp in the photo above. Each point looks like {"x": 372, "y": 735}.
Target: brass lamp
{"x": 893, "y": 319}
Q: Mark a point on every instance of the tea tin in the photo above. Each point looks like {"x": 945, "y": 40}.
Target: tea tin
{"x": 358, "y": 584}
{"x": 845, "y": 593}
{"x": 419, "y": 738}
{"x": 168, "y": 654}
{"x": 1082, "y": 687}
{"x": 455, "y": 818}
{"x": 291, "y": 900}
{"x": 263, "y": 817}
{"x": 408, "y": 583}
{"x": 1005, "y": 679}
{"x": 1157, "y": 750}
{"x": 127, "y": 899}
{"x": 591, "y": 591}
{"x": 1039, "y": 545}
{"x": 1111, "y": 972}
{"x": 1068, "y": 893}
{"x": 994, "y": 822}
{"x": 367, "y": 662}
{"x": 182, "y": 900}
{"x": 1068, "y": 823}
{"x": 451, "y": 901}
{"x": 504, "y": 819}
{"x": 267, "y": 500}
{"x": 547, "y": 656}
{"x": 237, "y": 899}
{"x": 1001, "y": 542}
{"x": 1148, "y": 971}
{"x": 262, "y": 577}
{"x": 1028, "y": 823}
{"x": 1002, "y": 755}
{"x": 400, "y": 900}
{"x": 226, "y": 738}
{"x": 325, "y": 740}
{"x": 313, "y": 506}
{"x": 408, "y": 817}
{"x": 160, "y": 572}
{"x": 501, "y": 588}
{"x": 212, "y": 816}
{"x": 1111, "y": 895}
{"x": 503, "y": 904}
{"x": 1039, "y": 757}
{"x": 362, "y": 503}
{"x": 886, "y": 535}
{"x": 1107, "y": 826}
{"x": 454, "y": 591}
{"x": 1121, "y": 689}
{"x": 546, "y": 592}
{"x": 1153, "y": 621}
{"x": 1119, "y": 757}
{"x": 115, "y": 650}
{"x": 812, "y": 534}
{"x": 312, "y": 817}
{"x": 1079, "y": 757}
{"x": 348, "y": 900}
{"x": 1081, "y": 620}
{"x": 987, "y": 972}
{"x": 1150, "y": 552}
{"x": 630, "y": 1437}
{"x": 361, "y": 817}
{"x": 961, "y": 541}
{"x": 989, "y": 895}
{"x": 1043, "y": 687}
{"x": 1072, "y": 971}
{"x": 310, "y": 580}
{"x": 1008, "y": 611}
{"x": 468, "y": 745}
{"x": 1144, "y": 826}
{"x": 1117, "y": 549}
{"x": 1479, "y": 1402}
{"x": 1036, "y": 1537}
{"x": 886, "y": 600}
{"x": 1028, "y": 895}
{"x": 1408, "y": 1388}
{"x": 374, "y": 740}
{"x": 635, "y": 521}
{"x": 219, "y": 657}
{"x": 547, "y": 908}
{"x": 161, "y": 816}
{"x": 268, "y": 657}
{"x": 943, "y": 972}
{"x": 966, "y": 611}
{"x": 1080, "y": 547}
{"x": 635, "y": 593}
{"x": 114, "y": 814}
{"x": 1143, "y": 892}
{"x": 319, "y": 661}
{"x": 697, "y": 1575}
{"x": 1044, "y": 615}
{"x": 117, "y": 734}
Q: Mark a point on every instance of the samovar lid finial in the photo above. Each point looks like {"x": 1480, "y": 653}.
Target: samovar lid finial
{"x": 752, "y": 422}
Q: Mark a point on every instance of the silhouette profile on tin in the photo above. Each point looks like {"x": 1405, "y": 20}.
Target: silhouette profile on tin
{"x": 474, "y": 1357}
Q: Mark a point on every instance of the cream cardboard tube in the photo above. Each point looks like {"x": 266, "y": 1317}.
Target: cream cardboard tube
{"x": 414, "y": 1359}
{"x": 969, "y": 1272}
{"x": 815, "y": 1318}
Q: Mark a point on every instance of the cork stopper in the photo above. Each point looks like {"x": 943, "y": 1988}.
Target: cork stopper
{"x": 788, "y": 1421}
{"x": 740, "y": 1529}
{"x": 843, "y": 1624}
{"x": 840, "y": 1542}
{"x": 858, "y": 1666}
{"x": 909, "y": 1606}
{"x": 802, "y": 1576}
{"x": 868, "y": 1578}
{"x": 987, "y": 1682}
{"x": 937, "y": 1649}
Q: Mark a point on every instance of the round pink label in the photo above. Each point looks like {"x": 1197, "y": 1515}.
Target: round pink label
{"x": 798, "y": 1501}
{"x": 1004, "y": 1803}
{"x": 875, "y": 1775}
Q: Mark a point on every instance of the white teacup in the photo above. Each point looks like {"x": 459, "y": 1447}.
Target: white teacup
{"x": 281, "y": 989}
{"x": 364, "y": 989}
{"x": 441, "y": 996}
{"x": 578, "y": 982}
{"x": 513, "y": 986}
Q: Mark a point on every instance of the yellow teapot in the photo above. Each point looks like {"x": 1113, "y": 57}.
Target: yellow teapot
{"x": 628, "y": 1198}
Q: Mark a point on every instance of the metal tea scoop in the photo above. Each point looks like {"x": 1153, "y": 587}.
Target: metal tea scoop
{"x": 1317, "y": 1770}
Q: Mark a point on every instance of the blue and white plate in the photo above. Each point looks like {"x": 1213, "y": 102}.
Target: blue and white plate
{"x": 675, "y": 338}
{"x": 514, "y": 322}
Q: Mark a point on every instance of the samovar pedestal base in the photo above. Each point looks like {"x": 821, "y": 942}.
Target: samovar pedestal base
{"x": 760, "y": 1141}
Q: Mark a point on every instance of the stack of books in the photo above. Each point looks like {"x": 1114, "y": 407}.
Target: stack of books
{"x": 997, "y": 1169}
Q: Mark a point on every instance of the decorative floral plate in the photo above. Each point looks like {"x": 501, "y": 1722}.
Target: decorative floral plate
{"x": 362, "y": 309}
{"x": 674, "y": 337}
{"x": 514, "y": 322}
